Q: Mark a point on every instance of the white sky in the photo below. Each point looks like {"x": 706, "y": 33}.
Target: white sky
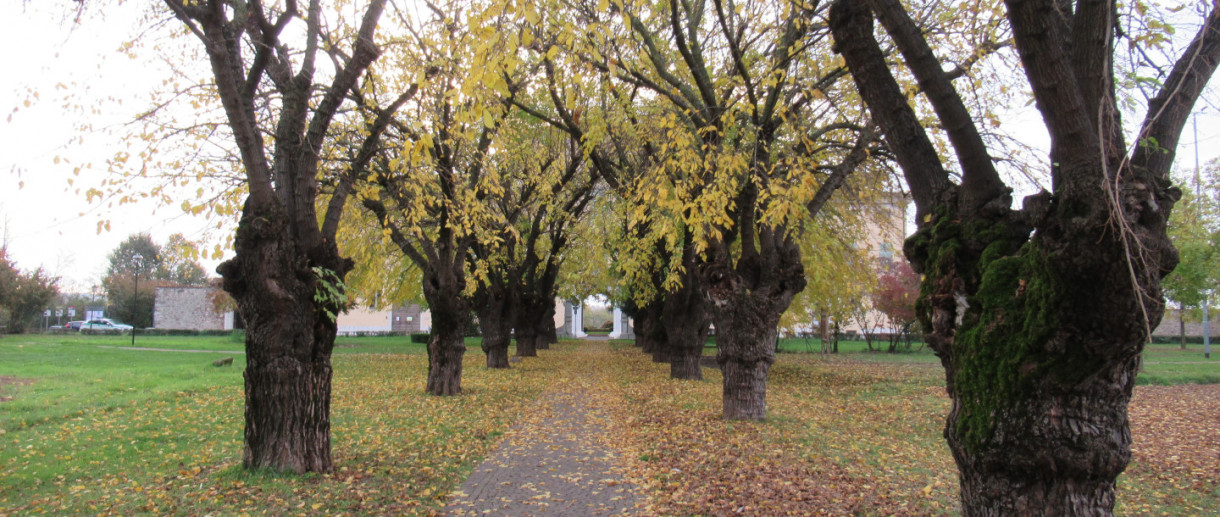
{"x": 45, "y": 221}
{"x": 48, "y": 223}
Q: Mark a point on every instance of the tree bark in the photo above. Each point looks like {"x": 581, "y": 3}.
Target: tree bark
{"x": 289, "y": 339}
{"x": 686, "y": 319}
{"x": 545, "y": 326}
{"x": 649, "y": 331}
{"x": 747, "y": 300}
{"x": 746, "y": 332}
{"x": 450, "y": 311}
{"x": 496, "y": 320}
{"x": 529, "y": 340}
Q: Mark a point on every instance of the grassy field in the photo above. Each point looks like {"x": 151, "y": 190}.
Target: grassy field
{"x": 90, "y": 426}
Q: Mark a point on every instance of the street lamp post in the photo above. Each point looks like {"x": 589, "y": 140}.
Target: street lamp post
{"x": 1207, "y": 328}
{"x": 135, "y": 299}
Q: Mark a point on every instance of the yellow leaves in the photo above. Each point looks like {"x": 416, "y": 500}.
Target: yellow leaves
{"x": 531, "y": 14}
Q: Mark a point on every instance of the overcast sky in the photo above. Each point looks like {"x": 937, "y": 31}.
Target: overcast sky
{"x": 45, "y": 221}
{"x": 48, "y": 223}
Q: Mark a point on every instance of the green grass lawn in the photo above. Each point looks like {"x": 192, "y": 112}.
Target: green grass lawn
{"x": 90, "y": 426}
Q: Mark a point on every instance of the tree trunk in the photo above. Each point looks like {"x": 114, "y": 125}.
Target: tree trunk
{"x": 527, "y": 344}
{"x": 745, "y": 333}
{"x": 747, "y": 300}
{"x": 496, "y": 321}
{"x": 540, "y": 312}
{"x": 289, "y": 339}
{"x": 545, "y": 326}
{"x": 1041, "y": 348}
{"x": 450, "y": 311}
{"x": 445, "y": 351}
{"x": 686, "y": 319}
{"x": 526, "y": 326}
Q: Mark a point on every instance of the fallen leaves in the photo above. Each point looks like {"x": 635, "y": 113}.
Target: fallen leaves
{"x": 1175, "y": 449}
{"x": 840, "y": 438}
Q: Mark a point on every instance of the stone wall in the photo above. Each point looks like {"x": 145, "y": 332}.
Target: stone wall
{"x": 1170, "y": 326}
{"x": 186, "y": 308}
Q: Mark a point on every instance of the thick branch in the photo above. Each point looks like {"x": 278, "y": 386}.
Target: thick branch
{"x": 980, "y": 182}
{"x": 840, "y": 172}
{"x": 1168, "y": 111}
{"x": 368, "y": 149}
{"x": 852, "y": 25}
{"x": 1075, "y": 143}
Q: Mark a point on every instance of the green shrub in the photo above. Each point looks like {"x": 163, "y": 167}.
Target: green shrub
{"x": 420, "y": 337}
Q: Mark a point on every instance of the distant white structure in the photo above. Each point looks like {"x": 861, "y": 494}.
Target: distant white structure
{"x": 403, "y": 319}
{"x": 622, "y": 326}
{"x": 192, "y": 308}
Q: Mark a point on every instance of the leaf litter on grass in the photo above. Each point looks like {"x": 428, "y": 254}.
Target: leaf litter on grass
{"x": 840, "y": 438}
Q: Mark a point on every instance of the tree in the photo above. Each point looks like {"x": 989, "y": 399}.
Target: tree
{"x": 756, "y": 137}
{"x": 25, "y": 295}
{"x": 1194, "y": 227}
{"x": 287, "y": 275}
{"x": 894, "y": 296}
{"x": 516, "y": 272}
{"x": 8, "y": 277}
{"x": 1039, "y": 315}
{"x": 178, "y": 265}
{"x": 430, "y": 188}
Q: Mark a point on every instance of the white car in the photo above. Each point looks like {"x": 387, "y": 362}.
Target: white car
{"x": 105, "y": 324}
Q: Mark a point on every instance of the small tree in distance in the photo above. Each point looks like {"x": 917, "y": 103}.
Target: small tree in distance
{"x": 24, "y": 295}
{"x": 894, "y": 295}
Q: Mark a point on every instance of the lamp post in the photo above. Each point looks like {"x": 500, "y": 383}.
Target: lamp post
{"x": 135, "y": 299}
{"x": 1207, "y": 328}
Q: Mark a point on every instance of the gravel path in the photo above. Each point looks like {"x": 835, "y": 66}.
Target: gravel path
{"x": 552, "y": 464}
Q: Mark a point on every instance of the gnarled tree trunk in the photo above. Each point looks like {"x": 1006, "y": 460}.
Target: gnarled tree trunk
{"x": 747, "y": 302}
{"x": 450, "y": 311}
{"x": 686, "y": 319}
{"x": 495, "y": 313}
{"x": 1040, "y": 387}
{"x": 289, "y": 340}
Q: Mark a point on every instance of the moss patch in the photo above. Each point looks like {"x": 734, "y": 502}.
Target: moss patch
{"x": 998, "y": 358}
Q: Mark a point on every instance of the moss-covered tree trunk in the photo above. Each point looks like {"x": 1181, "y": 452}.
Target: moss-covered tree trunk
{"x": 1041, "y": 343}
{"x": 1039, "y": 315}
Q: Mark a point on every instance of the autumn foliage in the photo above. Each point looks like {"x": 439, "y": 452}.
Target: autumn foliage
{"x": 896, "y": 291}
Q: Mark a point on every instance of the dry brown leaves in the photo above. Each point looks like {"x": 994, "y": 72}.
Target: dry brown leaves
{"x": 1175, "y": 449}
